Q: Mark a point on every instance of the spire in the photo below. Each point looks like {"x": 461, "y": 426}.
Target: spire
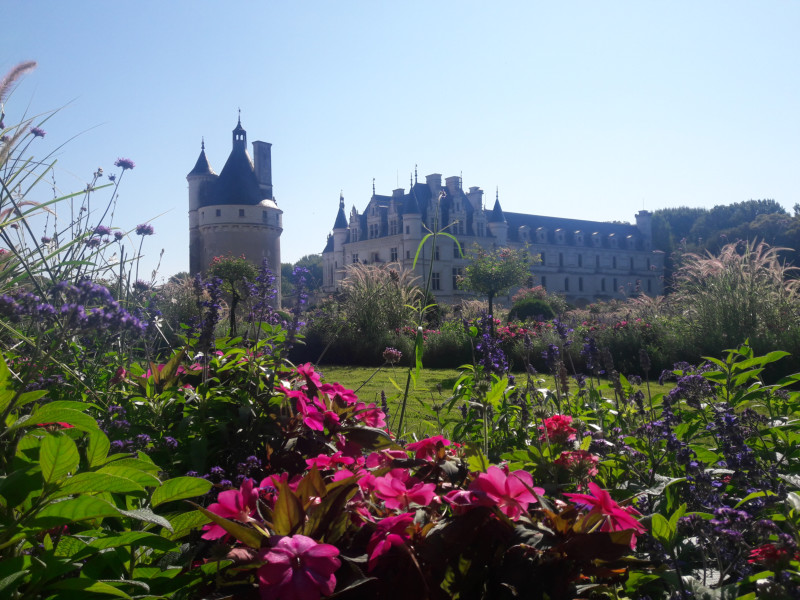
{"x": 239, "y": 135}
{"x": 201, "y": 167}
{"x": 341, "y": 220}
{"x": 373, "y": 186}
{"x": 497, "y": 212}
{"x": 415, "y": 173}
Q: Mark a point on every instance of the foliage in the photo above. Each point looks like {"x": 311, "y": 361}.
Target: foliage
{"x": 234, "y": 272}
{"x": 494, "y": 272}
{"x": 530, "y": 308}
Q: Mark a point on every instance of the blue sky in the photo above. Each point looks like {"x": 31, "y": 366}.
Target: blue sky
{"x": 583, "y": 109}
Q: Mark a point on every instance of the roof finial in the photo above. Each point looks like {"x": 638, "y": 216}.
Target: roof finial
{"x": 410, "y": 181}
{"x": 240, "y": 116}
{"x": 373, "y": 186}
{"x": 202, "y": 143}
{"x": 341, "y": 199}
{"x": 497, "y": 193}
{"x": 415, "y": 173}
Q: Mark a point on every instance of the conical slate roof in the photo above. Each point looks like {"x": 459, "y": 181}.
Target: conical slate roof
{"x": 341, "y": 220}
{"x": 497, "y": 215}
{"x": 202, "y": 167}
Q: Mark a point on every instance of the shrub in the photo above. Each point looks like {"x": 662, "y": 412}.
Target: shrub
{"x": 530, "y": 308}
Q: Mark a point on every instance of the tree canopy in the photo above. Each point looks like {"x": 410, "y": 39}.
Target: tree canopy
{"x": 494, "y": 272}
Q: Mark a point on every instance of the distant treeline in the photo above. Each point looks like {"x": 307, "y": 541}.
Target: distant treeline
{"x": 684, "y": 229}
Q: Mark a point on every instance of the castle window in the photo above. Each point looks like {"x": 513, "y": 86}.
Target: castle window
{"x": 408, "y": 254}
{"x": 566, "y": 284}
{"x": 560, "y": 259}
{"x": 544, "y": 281}
{"x": 481, "y": 230}
{"x": 408, "y": 230}
{"x": 603, "y": 284}
{"x": 264, "y": 216}
{"x": 580, "y": 284}
{"x": 597, "y": 261}
{"x": 614, "y": 266}
{"x": 541, "y": 256}
{"x": 615, "y": 284}
{"x": 355, "y": 258}
{"x": 436, "y": 253}
{"x": 219, "y": 212}
{"x": 631, "y": 263}
{"x": 436, "y": 281}
{"x": 648, "y": 264}
{"x": 649, "y": 285}
{"x": 580, "y": 260}
{"x": 393, "y": 253}
{"x": 241, "y": 212}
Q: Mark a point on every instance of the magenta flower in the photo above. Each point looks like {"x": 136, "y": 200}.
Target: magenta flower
{"x": 511, "y": 493}
{"x": 313, "y": 381}
{"x": 323, "y": 462}
{"x": 602, "y": 506}
{"x": 297, "y": 568}
{"x": 38, "y": 132}
{"x": 338, "y": 393}
{"x": 145, "y": 229}
{"x": 124, "y": 163}
{"x": 392, "y": 355}
{"x": 557, "y": 429}
{"x": 396, "y": 495}
{"x": 391, "y": 531}
{"x": 102, "y": 230}
{"x": 371, "y": 415}
{"x": 428, "y": 449}
{"x": 463, "y": 500}
{"x": 239, "y": 505}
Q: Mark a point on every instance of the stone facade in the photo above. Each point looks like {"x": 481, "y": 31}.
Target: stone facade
{"x": 583, "y": 260}
{"x": 235, "y": 213}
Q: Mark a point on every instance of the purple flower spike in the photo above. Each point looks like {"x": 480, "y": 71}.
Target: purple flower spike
{"x": 38, "y": 132}
{"x": 124, "y": 163}
{"x": 102, "y": 230}
{"x": 145, "y": 229}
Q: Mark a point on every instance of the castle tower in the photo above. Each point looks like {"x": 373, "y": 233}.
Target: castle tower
{"x": 235, "y": 213}
{"x": 498, "y": 226}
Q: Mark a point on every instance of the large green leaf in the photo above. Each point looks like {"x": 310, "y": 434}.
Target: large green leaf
{"x": 141, "y": 477}
{"x": 87, "y": 483}
{"x": 81, "y": 508}
{"x": 128, "y": 538}
{"x": 185, "y": 522}
{"x": 288, "y": 514}
{"x": 148, "y": 516}
{"x": 180, "y": 488}
{"x": 55, "y": 414}
{"x": 58, "y": 456}
{"x": 88, "y": 586}
{"x": 98, "y": 448}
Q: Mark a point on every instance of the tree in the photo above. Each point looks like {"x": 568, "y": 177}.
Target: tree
{"x": 233, "y": 272}
{"x": 494, "y": 272}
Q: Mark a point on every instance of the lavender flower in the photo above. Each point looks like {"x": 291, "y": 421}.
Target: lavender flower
{"x": 392, "y": 355}
{"x": 38, "y": 132}
{"x": 102, "y": 230}
{"x": 118, "y": 235}
{"x": 46, "y": 240}
{"x": 124, "y": 163}
{"x": 144, "y": 229}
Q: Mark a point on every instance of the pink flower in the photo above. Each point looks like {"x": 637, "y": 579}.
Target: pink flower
{"x": 239, "y": 505}
{"x": 396, "y": 495}
{"x": 463, "y": 500}
{"x": 391, "y": 531}
{"x": 557, "y": 429}
{"x": 338, "y": 393}
{"x": 580, "y": 463}
{"x": 384, "y": 458}
{"x": 371, "y": 415}
{"x": 324, "y": 462}
{"x": 511, "y": 493}
{"x": 603, "y": 506}
{"x": 428, "y": 449}
{"x": 297, "y": 568}
{"x": 313, "y": 381}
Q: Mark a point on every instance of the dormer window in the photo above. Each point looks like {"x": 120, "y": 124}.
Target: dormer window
{"x": 579, "y": 237}
{"x": 597, "y": 240}
{"x": 541, "y": 235}
{"x": 613, "y": 240}
{"x": 631, "y": 242}
{"x": 524, "y": 234}
{"x": 560, "y": 236}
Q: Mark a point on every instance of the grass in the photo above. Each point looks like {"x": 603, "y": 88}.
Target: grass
{"x": 425, "y": 409}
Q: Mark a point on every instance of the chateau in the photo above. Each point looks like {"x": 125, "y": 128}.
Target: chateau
{"x": 234, "y": 213}
{"x": 583, "y": 260}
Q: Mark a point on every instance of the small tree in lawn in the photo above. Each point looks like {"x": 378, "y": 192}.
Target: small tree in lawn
{"x": 233, "y": 272}
{"x": 494, "y": 272}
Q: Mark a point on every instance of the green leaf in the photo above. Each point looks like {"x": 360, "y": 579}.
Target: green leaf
{"x": 81, "y": 508}
{"x": 87, "y": 483}
{"x": 185, "y": 522}
{"x": 91, "y": 586}
{"x": 370, "y": 438}
{"x": 288, "y": 514}
{"x": 247, "y": 535}
{"x": 98, "y": 448}
{"x": 58, "y": 456}
{"x": 661, "y": 529}
{"x": 148, "y": 516}
{"x": 128, "y": 538}
{"x": 141, "y": 477}
{"x": 54, "y": 414}
{"x": 179, "y": 488}
{"x": 476, "y": 461}
{"x": 753, "y": 496}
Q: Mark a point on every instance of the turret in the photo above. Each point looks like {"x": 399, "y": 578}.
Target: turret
{"x": 498, "y": 226}
{"x": 200, "y": 179}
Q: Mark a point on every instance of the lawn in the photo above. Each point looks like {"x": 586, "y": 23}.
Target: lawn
{"x": 426, "y": 410}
